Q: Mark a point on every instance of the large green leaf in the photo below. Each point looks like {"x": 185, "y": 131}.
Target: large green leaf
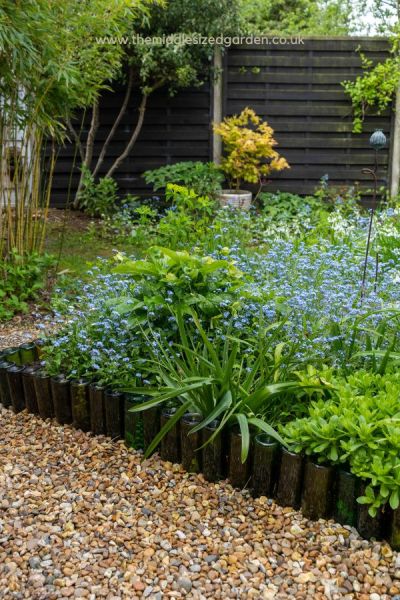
{"x": 223, "y": 405}
{"x": 136, "y": 268}
{"x": 245, "y": 433}
{"x": 168, "y": 394}
{"x": 267, "y": 429}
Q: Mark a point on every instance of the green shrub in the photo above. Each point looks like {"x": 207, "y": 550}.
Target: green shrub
{"x": 202, "y": 178}
{"x": 359, "y": 426}
{"x": 97, "y": 199}
{"x": 22, "y": 278}
{"x": 238, "y": 382}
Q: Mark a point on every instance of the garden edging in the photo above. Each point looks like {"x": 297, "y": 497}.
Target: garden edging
{"x": 271, "y": 470}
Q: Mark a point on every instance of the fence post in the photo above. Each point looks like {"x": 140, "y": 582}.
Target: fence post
{"x": 395, "y": 171}
{"x": 217, "y": 103}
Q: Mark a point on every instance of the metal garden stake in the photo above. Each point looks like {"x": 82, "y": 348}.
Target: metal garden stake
{"x": 377, "y": 141}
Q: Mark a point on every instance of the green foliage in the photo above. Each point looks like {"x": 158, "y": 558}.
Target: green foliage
{"x": 22, "y": 279}
{"x": 187, "y": 220}
{"x": 249, "y": 148}
{"x": 375, "y": 90}
{"x": 179, "y": 279}
{"x": 49, "y": 51}
{"x": 231, "y": 380}
{"x": 109, "y": 342}
{"x": 98, "y": 199}
{"x": 284, "y": 206}
{"x": 358, "y": 426}
{"x": 204, "y": 179}
{"x": 294, "y": 17}
{"x": 133, "y": 223}
{"x": 180, "y": 64}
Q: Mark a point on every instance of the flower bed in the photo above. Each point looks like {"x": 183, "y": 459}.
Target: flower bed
{"x": 259, "y": 326}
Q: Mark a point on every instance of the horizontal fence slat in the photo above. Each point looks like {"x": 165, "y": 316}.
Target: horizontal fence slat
{"x": 297, "y": 88}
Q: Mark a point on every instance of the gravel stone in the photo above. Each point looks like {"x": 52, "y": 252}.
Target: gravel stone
{"x": 84, "y": 517}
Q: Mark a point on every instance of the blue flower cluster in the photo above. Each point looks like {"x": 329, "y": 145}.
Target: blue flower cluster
{"x": 312, "y": 290}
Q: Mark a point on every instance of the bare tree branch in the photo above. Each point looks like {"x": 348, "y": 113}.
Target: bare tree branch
{"x": 134, "y": 136}
{"x": 94, "y": 125}
{"x": 77, "y": 140}
{"x": 136, "y": 131}
{"x": 116, "y": 123}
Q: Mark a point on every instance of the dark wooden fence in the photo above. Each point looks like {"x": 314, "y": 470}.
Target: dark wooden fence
{"x": 297, "y": 88}
{"x": 175, "y": 129}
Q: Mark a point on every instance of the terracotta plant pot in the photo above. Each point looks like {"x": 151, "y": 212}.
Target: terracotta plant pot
{"x": 214, "y": 457}
{"x": 190, "y": 443}
{"x": 97, "y": 409}
{"x": 114, "y": 411}
{"x": 79, "y": 390}
{"x": 266, "y": 452}
{"x": 346, "y": 493}
{"x": 290, "y": 481}
{"x": 14, "y": 377}
{"x": 317, "y": 495}
{"x": 238, "y": 472}
{"x": 28, "y": 382}
{"x": 43, "y": 394}
{"x": 170, "y": 446}
{"x": 5, "y": 398}
{"x": 60, "y": 390}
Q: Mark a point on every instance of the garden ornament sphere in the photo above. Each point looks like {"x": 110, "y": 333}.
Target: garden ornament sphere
{"x": 378, "y": 140}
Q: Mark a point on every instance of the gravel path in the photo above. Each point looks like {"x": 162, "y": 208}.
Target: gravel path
{"x": 81, "y": 517}
{"x": 25, "y": 328}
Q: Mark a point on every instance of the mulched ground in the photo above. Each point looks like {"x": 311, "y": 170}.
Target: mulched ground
{"x": 83, "y": 517}
{"x": 24, "y": 328}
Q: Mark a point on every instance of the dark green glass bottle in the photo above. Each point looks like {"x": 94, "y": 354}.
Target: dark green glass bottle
{"x": 265, "y": 465}
{"x": 151, "y": 425}
{"x": 394, "y": 529}
{"x": 43, "y": 394}
{"x": 345, "y": 502}
{"x": 39, "y": 343}
{"x": 369, "y": 527}
{"x": 238, "y": 472}
{"x": 28, "y": 353}
{"x": 316, "y": 502}
{"x": 97, "y": 409}
{"x": 60, "y": 391}
{"x": 134, "y": 422}
{"x": 170, "y": 445}
{"x": 114, "y": 411}
{"x": 190, "y": 443}
{"x": 80, "y": 407}
{"x": 14, "y": 377}
{"x": 12, "y": 355}
{"x": 290, "y": 480}
{"x": 28, "y": 382}
{"x": 5, "y": 398}
{"x": 214, "y": 457}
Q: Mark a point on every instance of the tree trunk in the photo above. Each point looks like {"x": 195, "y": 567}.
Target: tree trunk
{"x": 94, "y": 125}
{"x": 135, "y": 135}
{"x": 116, "y": 123}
